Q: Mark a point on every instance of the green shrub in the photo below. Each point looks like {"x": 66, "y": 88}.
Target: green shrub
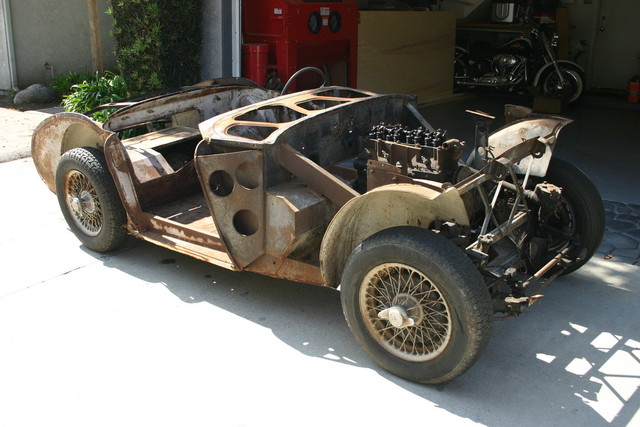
{"x": 63, "y": 83}
{"x": 157, "y": 42}
{"x": 91, "y": 93}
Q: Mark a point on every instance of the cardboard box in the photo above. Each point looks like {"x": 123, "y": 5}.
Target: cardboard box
{"x": 407, "y": 52}
{"x": 543, "y": 104}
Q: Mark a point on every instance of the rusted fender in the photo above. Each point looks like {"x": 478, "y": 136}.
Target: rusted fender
{"x": 385, "y": 207}
{"x": 545, "y": 128}
{"x": 58, "y": 134}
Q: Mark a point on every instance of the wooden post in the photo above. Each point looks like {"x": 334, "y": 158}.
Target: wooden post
{"x": 96, "y": 40}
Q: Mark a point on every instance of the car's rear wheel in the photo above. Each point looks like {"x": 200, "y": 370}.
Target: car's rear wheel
{"x": 89, "y": 200}
{"x": 416, "y": 304}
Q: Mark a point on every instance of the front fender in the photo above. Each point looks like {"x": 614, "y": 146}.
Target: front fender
{"x": 545, "y": 128}
{"x": 385, "y": 207}
{"x": 548, "y": 65}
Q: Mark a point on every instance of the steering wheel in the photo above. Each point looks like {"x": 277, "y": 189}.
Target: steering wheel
{"x": 301, "y": 71}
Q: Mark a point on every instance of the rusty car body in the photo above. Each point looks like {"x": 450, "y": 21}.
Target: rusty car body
{"x": 342, "y": 188}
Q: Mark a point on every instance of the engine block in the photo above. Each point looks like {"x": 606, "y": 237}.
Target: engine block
{"x": 394, "y": 149}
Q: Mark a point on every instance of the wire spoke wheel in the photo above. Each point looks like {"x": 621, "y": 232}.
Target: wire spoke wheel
{"x": 416, "y": 304}
{"x": 405, "y": 312}
{"x": 83, "y": 202}
{"x": 89, "y": 200}
{"x": 553, "y": 87}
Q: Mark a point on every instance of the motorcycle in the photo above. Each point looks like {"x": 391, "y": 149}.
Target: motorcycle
{"x": 521, "y": 62}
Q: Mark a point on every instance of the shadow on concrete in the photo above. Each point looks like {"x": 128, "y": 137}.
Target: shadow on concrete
{"x": 572, "y": 358}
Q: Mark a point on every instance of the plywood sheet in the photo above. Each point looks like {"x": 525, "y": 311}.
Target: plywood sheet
{"x": 407, "y": 52}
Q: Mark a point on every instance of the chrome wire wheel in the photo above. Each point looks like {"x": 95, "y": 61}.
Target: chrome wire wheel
{"x": 83, "y": 203}
{"x": 416, "y": 304}
{"x": 89, "y": 200}
{"x": 405, "y": 312}
{"x": 553, "y": 87}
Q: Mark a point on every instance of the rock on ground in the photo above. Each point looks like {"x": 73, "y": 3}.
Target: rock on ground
{"x": 37, "y": 93}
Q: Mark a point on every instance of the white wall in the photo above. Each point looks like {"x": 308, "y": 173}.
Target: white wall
{"x": 56, "y": 32}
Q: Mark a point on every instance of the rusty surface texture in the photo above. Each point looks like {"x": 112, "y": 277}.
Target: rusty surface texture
{"x": 121, "y": 170}
{"x": 336, "y": 185}
{"x": 58, "y": 134}
{"x": 296, "y": 218}
{"x": 382, "y": 208}
{"x": 148, "y": 163}
{"x": 288, "y": 186}
{"x": 276, "y": 121}
{"x": 315, "y": 177}
{"x": 234, "y": 188}
{"x": 546, "y": 129}
{"x": 302, "y": 136}
{"x": 206, "y": 101}
{"x": 287, "y": 268}
{"x": 201, "y": 241}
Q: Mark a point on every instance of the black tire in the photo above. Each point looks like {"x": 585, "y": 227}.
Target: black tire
{"x": 443, "y": 294}
{"x": 89, "y": 200}
{"x": 583, "y": 212}
{"x": 549, "y": 83}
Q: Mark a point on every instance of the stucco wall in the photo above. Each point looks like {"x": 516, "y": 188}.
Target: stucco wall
{"x": 56, "y": 32}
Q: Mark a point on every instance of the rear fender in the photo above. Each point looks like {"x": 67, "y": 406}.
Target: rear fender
{"x": 58, "y": 134}
{"x": 385, "y": 207}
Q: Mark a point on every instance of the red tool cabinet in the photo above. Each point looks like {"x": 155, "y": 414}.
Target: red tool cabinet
{"x": 282, "y": 36}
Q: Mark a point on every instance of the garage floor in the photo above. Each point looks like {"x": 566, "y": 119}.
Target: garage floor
{"x": 603, "y": 141}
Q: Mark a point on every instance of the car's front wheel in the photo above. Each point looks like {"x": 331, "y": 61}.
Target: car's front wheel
{"x": 580, "y": 218}
{"x": 416, "y": 304}
{"x": 89, "y": 200}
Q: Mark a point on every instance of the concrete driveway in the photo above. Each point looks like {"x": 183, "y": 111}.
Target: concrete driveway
{"x": 16, "y": 130}
{"x": 146, "y": 336}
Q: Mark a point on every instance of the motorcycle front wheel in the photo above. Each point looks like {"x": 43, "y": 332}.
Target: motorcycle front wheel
{"x": 550, "y": 85}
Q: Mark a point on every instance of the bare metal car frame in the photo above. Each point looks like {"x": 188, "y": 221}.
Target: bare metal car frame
{"x": 241, "y": 178}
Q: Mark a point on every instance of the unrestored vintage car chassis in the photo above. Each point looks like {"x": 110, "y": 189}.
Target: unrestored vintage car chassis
{"x": 295, "y": 187}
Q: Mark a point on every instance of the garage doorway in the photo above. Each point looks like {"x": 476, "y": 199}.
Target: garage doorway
{"x": 616, "y": 47}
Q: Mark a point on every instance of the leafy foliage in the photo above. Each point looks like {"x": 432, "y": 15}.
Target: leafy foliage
{"x": 96, "y": 91}
{"x": 157, "y": 42}
{"x": 63, "y": 84}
